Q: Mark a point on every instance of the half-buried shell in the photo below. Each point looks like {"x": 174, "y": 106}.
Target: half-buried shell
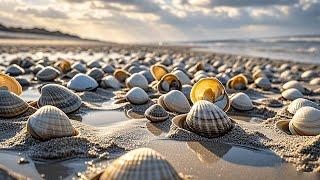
{"x": 158, "y": 71}
{"x": 121, "y": 75}
{"x": 140, "y": 164}
{"x": 295, "y": 105}
{"x": 96, "y": 73}
{"x": 137, "y": 96}
{"x": 11, "y": 105}
{"x": 110, "y": 82}
{"x": 47, "y": 74}
{"x": 137, "y": 80}
{"x": 295, "y": 84}
{"x": 238, "y": 82}
{"x": 49, "y": 122}
{"x": 169, "y": 82}
{"x": 241, "y": 101}
{"x": 15, "y": 70}
{"x": 305, "y": 122}
{"x": 79, "y": 67}
{"x": 263, "y": 83}
{"x": 291, "y": 94}
{"x": 60, "y": 97}
{"x": 174, "y": 101}
{"x": 156, "y": 113}
{"x": 64, "y": 65}
{"x": 10, "y": 83}
{"x": 82, "y": 82}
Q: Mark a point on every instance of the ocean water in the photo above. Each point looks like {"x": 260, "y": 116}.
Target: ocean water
{"x": 294, "y": 48}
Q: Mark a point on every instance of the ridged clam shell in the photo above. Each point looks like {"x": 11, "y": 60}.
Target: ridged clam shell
{"x": 140, "y": 164}
{"x": 208, "y": 120}
{"x": 174, "y": 101}
{"x": 294, "y": 84}
{"x": 156, "y": 113}
{"x": 48, "y": 74}
{"x": 121, "y": 75}
{"x": 305, "y": 122}
{"x": 263, "y": 83}
{"x": 49, "y": 122}
{"x": 79, "y": 67}
{"x": 169, "y": 82}
{"x": 238, "y": 82}
{"x": 110, "y": 82}
{"x": 15, "y": 70}
{"x": 158, "y": 71}
{"x": 137, "y": 80}
{"x": 82, "y": 82}
{"x": 137, "y": 96}
{"x": 315, "y": 81}
{"x": 96, "y": 74}
{"x": 295, "y": 105}
{"x": 60, "y": 97}
{"x": 11, "y": 105}
{"x": 241, "y": 101}
{"x": 291, "y": 94}
{"x": 10, "y": 83}
{"x": 183, "y": 78}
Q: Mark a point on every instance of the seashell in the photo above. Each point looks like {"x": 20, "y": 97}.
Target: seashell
{"x": 14, "y": 70}
{"x": 309, "y": 75}
{"x": 96, "y": 74}
{"x": 37, "y": 68}
{"x": 223, "y": 78}
{"x": 108, "y": 69}
{"x": 305, "y": 122}
{"x": 79, "y": 67}
{"x": 295, "y": 105}
{"x": 11, "y": 105}
{"x": 147, "y": 74}
{"x": 183, "y": 78}
{"x": 294, "y": 84}
{"x": 140, "y": 164}
{"x": 263, "y": 83}
{"x": 241, "y": 101}
{"x": 186, "y": 90}
{"x": 315, "y": 81}
{"x": 110, "y": 82}
{"x": 137, "y": 80}
{"x": 10, "y": 83}
{"x": 71, "y": 74}
{"x": 291, "y": 94}
{"x": 94, "y": 64}
{"x": 134, "y": 69}
{"x": 49, "y": 122}
{"x": 210, "y": 89}
{"x": 47, "y": 74}
{"x": 156, "y": 113}
{"x": 82, "y": 82}
{"x": 137, "y": 96}
{"x": 169, "y": 82}
{"x": 23, "y": 81}
{"x": 208, "y": 120}
{"x": 158, "y": 71}
{"x": 238, "y": 82}
{"x": 174, "y": 101}
{"x": 121, "y": 75}
{"x": 60, "y": 97}
{"x": 64, "y": 65}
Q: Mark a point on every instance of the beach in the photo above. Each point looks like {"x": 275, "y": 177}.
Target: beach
{"x": 108, "y": 128}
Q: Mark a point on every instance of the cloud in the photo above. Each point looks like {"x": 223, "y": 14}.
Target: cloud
{"x": 44, "y": 13}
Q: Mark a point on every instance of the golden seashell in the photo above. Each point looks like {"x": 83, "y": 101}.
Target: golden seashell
{"x": 169, "y": 82}
{"x": 158, "y": 71}
{"x": 10, "y": 83}
{"x": 238, "y": 82}
{"x": 64, "y": 65}
{"x": 121, "y": 75}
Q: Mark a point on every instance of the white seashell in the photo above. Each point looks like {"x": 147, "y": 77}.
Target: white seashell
{"x": 82, "y": 82}
{"x": 156, "y": 113}
{"x": 241, "y": 101}
{"x": 14, "y": 70}
{"x": 147, "y": 74}
{"x": 291, "y": 94}
{"x": 263, "y": 83}
{"x": 295, "y": 105}
{"x": 79, "y": 67}
{"x": 49, "y": 122}
{"x": 137, "y": 96}
{"x": 309, "y": 74}
{"x": 186, "y": 90}
{"x": 48, "y": 74}
{"x": 110, "y": 82}
{"x": 207, "y": 119}
{"x": 315, "y": 81}
{"x": 140, "y": 164}
{"x": 137, "y": 80}
{"x": 183, "y": 78}
{"x": 294, "y": 84}
{"x": 174, "y": 101}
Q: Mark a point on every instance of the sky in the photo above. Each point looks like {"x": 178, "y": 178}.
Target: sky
{"x": 131, "y": 21}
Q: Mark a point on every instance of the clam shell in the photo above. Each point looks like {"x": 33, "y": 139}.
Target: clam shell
{"x": 263, "y": 83}
{"x": 294, "y": 84}
{"x": 291, "y": 94}
{"x": 186, "y": 90}
{"x": 156, "y": 113}
{"x": 238, "y": 82}
{"x": 35, "y": 69}
{"x": 121, "y": 75}
{"x": 15, "y": 70}
{"x": 223, "y": 78}
{"x": 137, "y": 96}
{"x": 183, "y": 78}
{"x": 11, "y": 105}
{"x": 79, "y": 67}
{"x": 110, "y": 82}
{"x": 210, "y": 89}
{"x": 174, "y": 101}
{"x": 158, "y": 71}
{"x": 47, "y": 74}
{"x": 82, "y": 82}
{"x": 96, "y": 74}
{"x": 147, "y": 74}
{"x": 241, "y": 101}
{"x": 315, "y": 81}
{"x": 10, "y": 83}
{"x": 94, "y": 64}
{"x": 137, "y": 80}
{"x": 208, "y": 120}
{"x": 305, "y": 122}
{"x": 108, "y": 69}
{"x": 169, "y": 82}
{"x": 309, "y": 74}
{"x": 140, "y": 164}
{"x": 60, "y": 97}
{"x": 64, "y": 65}
{"x": 49, "y": 122}
{"x": 295, "y": 105}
